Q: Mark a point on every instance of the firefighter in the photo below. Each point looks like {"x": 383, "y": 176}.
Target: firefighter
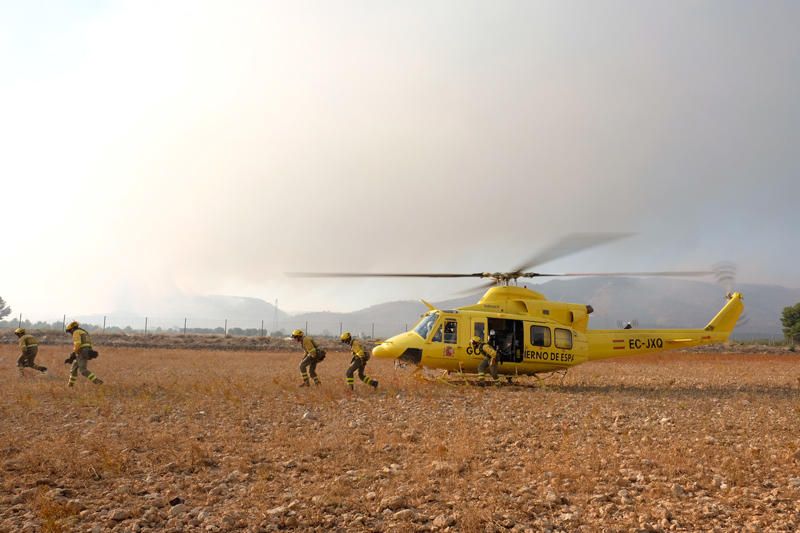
{"x": 358, "y": 363}
{"x": 29, "y": 347}
{"x": 81, "y": 352}
{"x": 489, "y": 354}
{"x": 313, "y": 355}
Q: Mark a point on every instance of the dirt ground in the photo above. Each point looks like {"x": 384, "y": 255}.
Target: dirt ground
{"x": 182, "y": 440}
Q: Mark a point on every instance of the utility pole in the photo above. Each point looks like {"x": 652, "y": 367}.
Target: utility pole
{"x": 145, "y": 326}
{"x": 104, "y": 324}
{"x": 226, "y": 327}
{"x": 275, "y": 319}
{"x": 19, "y": 323}
{"x": 184, "y": 327}
{"x": 373, "y": 330}
{"x": 64, "y": 322}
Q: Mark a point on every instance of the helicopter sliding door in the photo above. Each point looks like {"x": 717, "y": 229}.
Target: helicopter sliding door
{"x": 509, "y": 339}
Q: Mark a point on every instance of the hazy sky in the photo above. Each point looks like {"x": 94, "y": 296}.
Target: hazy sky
{"x": 151, "y": 149}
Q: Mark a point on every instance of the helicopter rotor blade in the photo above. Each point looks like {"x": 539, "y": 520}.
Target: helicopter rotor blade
{"x": 725, "y": 273}
{"x": 381, "y": 275}
{"x": 568, "y": 245}
{"x": 671, "y": 274}
{"x": 476, "y": 289}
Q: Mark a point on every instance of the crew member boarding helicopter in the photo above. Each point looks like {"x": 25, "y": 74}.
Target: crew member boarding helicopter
{"x": 534, "y": 335}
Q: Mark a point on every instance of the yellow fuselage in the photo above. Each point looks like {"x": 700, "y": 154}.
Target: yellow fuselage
{"x": 534, "y": 335}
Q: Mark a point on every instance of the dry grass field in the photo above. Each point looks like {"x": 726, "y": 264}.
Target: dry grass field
{"x": 219, "y": 441}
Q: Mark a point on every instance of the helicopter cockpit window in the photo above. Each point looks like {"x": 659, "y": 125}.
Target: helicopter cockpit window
{"x": 437, "y": 337}
{"x": 451, "y": 332}
{"x": 423, "y": 329}
{"x": 540, "y": 336}
{"x": 563, "y": 339}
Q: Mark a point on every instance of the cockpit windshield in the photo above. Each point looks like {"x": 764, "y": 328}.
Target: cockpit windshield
{"x": 425, "y": 325}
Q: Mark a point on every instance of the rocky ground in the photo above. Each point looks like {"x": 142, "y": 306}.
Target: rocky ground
{"x": 180, "y": 440}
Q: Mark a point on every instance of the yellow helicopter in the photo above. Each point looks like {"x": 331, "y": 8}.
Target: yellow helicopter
{"x": 532, "y": 334}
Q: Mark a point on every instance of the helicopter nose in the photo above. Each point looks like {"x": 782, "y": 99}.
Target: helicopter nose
{"x": 384, "y": 351}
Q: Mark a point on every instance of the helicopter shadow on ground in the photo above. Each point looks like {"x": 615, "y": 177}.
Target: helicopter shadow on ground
{"x": 667, "y": 391}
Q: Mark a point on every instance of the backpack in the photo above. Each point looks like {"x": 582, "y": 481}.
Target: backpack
{"x": 92, "y": 354}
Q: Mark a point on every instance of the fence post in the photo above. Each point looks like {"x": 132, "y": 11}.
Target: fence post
{"x": 340, "y": 329}
{"x": 145, "y": 326}
{"x": 262, "y": 328}
{"x": 19, "y": 323}
{"x": 64, "y": 322}
{"x": 226, "y": 327}
{"x": 307, "y": 332}
{"x": 373, "y": 330}
{"x": 104, "y": 324}
{"x": 184, "y": 327}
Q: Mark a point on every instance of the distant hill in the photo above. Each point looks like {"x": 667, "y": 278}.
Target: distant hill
{"x": 202, "y": 312}
{"x": 652, "y": 302}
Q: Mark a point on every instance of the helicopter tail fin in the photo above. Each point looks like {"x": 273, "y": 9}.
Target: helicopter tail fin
{"x": 726, "y": 319}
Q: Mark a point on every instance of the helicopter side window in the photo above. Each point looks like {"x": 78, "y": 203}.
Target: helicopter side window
{"x": 563, "y": 339}
{"x": 540, "y": 336}
{"x": 437, "y": 337}
{"x": 423, "y": 329}
{"x": 451, "y": 331}
{"x": 480, "y": 329}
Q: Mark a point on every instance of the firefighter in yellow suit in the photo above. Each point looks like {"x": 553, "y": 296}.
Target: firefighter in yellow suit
{"x": 29, "y": 347}
{"x": 308, "y": 366}
{"x": 358, "y": 363}
{"x": 489, "y": 359}
{"x": 81, "y": 353}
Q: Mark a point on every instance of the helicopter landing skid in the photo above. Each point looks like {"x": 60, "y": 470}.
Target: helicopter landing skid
{"x": 550, "y": 377}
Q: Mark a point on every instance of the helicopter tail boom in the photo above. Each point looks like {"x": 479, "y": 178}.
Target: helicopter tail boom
{"x": 604, "y": 344}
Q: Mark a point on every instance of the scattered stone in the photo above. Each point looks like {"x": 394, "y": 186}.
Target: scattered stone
{"x": 119, "y": 515}
{"x": 404, "y": 514}
{"x": 177, "y": 510}
{"x": 443, "y": 521}
{"x": 277, "y": 511}
{"x": 392, "y": 503}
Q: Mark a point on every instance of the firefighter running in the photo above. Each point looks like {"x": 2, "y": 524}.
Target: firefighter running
{"x": 29, "y": 347}
{"x": 489, "y": 359}
{"x": 313, "y": 355}
{"x": 81, "y": 352}
{"x": 358, "y": 363}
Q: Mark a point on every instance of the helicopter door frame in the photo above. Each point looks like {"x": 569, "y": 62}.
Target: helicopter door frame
{"x": 510, "y": 338}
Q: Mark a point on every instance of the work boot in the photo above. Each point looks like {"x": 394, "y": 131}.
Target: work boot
{"x": 374, "y": 383}
{"x": 317, "y": 381}
{"x": 305, "y": 384}
{"x": 97, "y": 381}
{"x": 42, "y": 369}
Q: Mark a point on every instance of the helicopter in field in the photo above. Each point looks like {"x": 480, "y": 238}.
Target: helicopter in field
{"x": 534, "y": 335}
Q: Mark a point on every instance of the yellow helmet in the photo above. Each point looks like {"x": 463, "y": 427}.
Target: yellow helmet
{"x": 72, "y": 325}
{"x": 346, "y": 337}
{"x": 19, "y": 332}
{"x": 476, "y": 340}
{"x": 298, "y": 333}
